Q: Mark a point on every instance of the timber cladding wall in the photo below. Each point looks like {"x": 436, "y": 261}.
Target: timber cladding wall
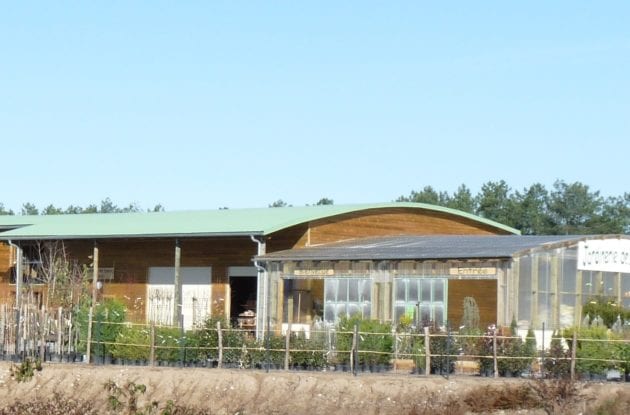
{"x": 483, "y": 291}
{"x": 5, "y": 262}
{"x": 389, "y": 222}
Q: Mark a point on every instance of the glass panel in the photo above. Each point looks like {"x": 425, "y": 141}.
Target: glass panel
{"x": 610, "y": 284}
{"x": 354, "y": 310}
{"x": 367, "y": 309}
{"x": 400, "y": 289}
{"x": 567, "y": 310}
{"x": 438, "y": 314}
{"x": 426, "y": 290}
{"x": 625, "y": 290}
{"x": 341, "y": 311}
{"x": 342, "y": 292}
{"x": 331, "y": 290}
{"x": 588, "y": 283}
{"x": 329, "y": 313}
{"x": 353, "y": 290}
{"x": 425, "y": 313}
{"x": 413, "y": 290}
{"x": 366, "y": 290}
{"x": 438, "y": 290}
{"x": 569, "y": 275}
{"x": 399, "y": 311}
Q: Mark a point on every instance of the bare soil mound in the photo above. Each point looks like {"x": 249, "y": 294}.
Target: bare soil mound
{"x": 223, "y": 391}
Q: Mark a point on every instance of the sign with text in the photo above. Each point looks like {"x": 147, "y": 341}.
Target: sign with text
{"x": 473, "y": 271}
{"x": 607, "y": 255}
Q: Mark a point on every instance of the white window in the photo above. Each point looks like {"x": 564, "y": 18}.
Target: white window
{"x": 347, "y": 296}
{"x": 423, "y": 299}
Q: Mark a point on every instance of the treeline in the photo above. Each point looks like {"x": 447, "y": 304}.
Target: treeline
{"x": 106, "y": 206}
{"x": 566, "y": 209}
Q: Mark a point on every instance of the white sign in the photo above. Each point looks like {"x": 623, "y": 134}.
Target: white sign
{"x": 607, "y": 255}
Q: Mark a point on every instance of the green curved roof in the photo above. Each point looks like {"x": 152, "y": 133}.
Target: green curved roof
{"x": 225, "y": 222}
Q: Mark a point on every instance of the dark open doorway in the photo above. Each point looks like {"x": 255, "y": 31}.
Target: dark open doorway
{"x": 243, "y": 296}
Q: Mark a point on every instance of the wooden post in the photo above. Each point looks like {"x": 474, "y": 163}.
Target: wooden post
{"x": 220, "y": 345}
{"x": 427, "y": 351}
{"x": 152, "y": 342}
{"x": 177, "y": 287}
{"x": 494, "y": 353}
{"x": 94, "y": 292}
{"x": 573, "y": 354}
{"x": 353, "y": 351}
{"x": 18, "y": 297}
{"x": 287, "y": 346}
{"x": 43, "y": 325}
{"x": 59, "y": 348}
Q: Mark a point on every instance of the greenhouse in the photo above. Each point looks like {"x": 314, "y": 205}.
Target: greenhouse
{"x": 535, "y": 280}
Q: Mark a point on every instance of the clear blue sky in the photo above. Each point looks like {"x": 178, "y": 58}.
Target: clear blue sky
{"x": 208, "y": 104}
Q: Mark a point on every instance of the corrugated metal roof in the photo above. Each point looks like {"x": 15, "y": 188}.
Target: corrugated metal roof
{"x": 420, "y": 247}
{"x": 260, "y": 221}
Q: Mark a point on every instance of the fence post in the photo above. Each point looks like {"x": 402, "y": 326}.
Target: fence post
{"x": 448, "y": 349}
{"x": 60, "y": 333}
{"x": 152, "y": 350}
{"x": 353, "y": 351}
{"x": 542, "y": 353}
{"x": 427, "y": 351}
{"x": 573, "y": 354}
{"x": 43, "y": 326}
{"x": 287, "y": 346}
{"x": 220, "y": 345}
{"x": 494, "y": 353}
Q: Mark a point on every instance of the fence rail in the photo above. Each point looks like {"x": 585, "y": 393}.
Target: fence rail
{"x": 60, "y": 336}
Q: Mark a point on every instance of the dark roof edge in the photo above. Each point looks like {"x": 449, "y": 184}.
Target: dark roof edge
{"x": 129, "y": 236}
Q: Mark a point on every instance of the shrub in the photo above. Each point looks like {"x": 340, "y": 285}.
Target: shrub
{"x": 557, "y": 363}
{"x": 57, "y": 405}
{"x": 308, "y": 353}
{"x": 206, "y": 339}
{"x": 106, "y": 324}
{"x": 444, "y": 349}
{"x": 606, "y": 308}
{"x": 375, "y": 343}
{"x": 259, "y": 353}
{"x": 132, "y": 343}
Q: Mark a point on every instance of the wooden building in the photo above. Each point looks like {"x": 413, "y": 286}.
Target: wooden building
{"x": 268, "y": 267}
{"x": 138, "y": 255}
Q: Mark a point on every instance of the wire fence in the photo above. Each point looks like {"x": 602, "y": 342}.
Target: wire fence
{"x": 60, "y": 336}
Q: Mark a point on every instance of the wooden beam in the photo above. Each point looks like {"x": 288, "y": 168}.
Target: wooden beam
{"x": 177, "y": 287}
{"x": 94, "y": 298}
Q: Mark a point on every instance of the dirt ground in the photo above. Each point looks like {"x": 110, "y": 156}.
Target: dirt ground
{"x": 223, "y": 391}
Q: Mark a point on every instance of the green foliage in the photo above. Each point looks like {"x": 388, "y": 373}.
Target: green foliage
{"x": 132, "y": 343}
{"x": 606, "y": 308}
{"x": 557, "y": 363}
{"x": 106, "y": 324}
{"x": 207, "y": 339}
{"x": 25, "y": 370}
{"x": 570, "y": 208}
{"x": 308, "y": 353}
{"x": 593, "y": 350}
{"x": 270, "y": 350}
{"x": 444, "y": 350}
{"x": 375, "y": 342}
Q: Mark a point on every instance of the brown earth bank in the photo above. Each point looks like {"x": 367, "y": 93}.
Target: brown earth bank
{"x": 223, "y": 391}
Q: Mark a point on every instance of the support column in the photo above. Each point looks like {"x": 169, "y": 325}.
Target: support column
{"x": 534, "y": 291}
{"x": 177, "y": 288}
{"x": 577, "y": 317}
{"x": 18, "y": 296}
{"x": 93, "y": 304}
{"x": 555, "y": 291}
{"x": 513, "y": 290}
